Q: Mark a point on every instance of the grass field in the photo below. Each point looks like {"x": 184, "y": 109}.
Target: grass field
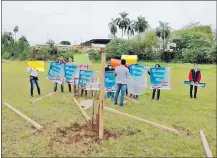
{"x": 175, "y": 109}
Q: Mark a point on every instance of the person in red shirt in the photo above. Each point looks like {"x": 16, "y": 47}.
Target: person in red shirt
{"x": 194, "y": 77}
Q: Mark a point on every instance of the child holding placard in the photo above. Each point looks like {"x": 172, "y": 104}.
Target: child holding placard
{"x": 69, "y": 63}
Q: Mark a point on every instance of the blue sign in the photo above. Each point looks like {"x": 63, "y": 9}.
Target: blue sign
{"x": 160, "y": 78}
{"x": 137, "y": 70}
{"x": 110, "y": 81}
{"x": 70, "y": 72}
{"x": 56, "y": 72}
{"x": 86, "y": 76}
{"x": 202, "y": 85}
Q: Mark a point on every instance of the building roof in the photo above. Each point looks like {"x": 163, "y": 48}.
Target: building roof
{"x": 96, "y": 41}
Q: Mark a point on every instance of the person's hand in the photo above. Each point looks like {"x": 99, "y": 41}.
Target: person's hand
{"x": 196, "y": 82}
{"x": 192, "y": 81}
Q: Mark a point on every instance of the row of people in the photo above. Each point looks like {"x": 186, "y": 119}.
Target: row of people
{"x": 121, "y": 73}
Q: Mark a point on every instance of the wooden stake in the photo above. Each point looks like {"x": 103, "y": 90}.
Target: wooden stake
{"x": 87, "y": 117}
{"x": 36, "y": 125}
{"x": 101, "y": 97}
{"x": 140, "y": 119}
{"x": 205, "y": 145}
{"x": 43, "y": 97}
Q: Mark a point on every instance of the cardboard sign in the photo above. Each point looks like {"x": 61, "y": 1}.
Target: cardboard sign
{"x": 160, "y": 78}
{"x": 110, "y": 81}
{"x": 71, "y": 72}
{"x": 81, "y": 59}
{"x": 56, "y": 72}
{"x": 39, "y": 65}
{"x": 115, "y": 62}
{"x": 202, "y": 85}
{"x": 137, "y": 83}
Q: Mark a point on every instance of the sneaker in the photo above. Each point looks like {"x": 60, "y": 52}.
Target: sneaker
{"x": 121, "y": 104}
{"x": 115, "y": 103}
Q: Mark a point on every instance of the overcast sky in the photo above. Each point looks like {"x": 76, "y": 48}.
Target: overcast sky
{"x": 73, "y": 21}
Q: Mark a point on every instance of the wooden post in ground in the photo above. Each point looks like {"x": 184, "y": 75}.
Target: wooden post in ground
{"x": 101, "y": 96}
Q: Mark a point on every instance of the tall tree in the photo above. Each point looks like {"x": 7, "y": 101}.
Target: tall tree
{"x": 163, "y": 32}
{"x": 113, "y": 27}
{"x": 141, "y": 25}
{"x": 24, "y": 40}
{"x": 50, "y": 42}
{"x": 122, "y": 22}
{"x": 16, "y": 29}
{"x": 130, "y": 28}
{"x": 65, "y": 42}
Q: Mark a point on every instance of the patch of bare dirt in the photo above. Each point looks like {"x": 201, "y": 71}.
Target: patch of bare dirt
{"x": 183, "y": 130}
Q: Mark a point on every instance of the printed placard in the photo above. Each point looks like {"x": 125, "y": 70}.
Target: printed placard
{"x": 160, "y": 78}
{"x": 56, "y": 72}
{"x": 110, "y": 81}
{"x": 71, "y": 72}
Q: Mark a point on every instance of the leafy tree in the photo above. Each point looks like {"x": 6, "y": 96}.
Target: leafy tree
{"x": 116, "y": 48}
{"x": 16, "y": 29}
{"x": 141, "y": 25}
{"x": 113, "y": 27}
{"x": 65, "y": 43}
{"x": 94, "y": 55}
{"x": 122, "y": 22}
{"x": 50, "y": 42}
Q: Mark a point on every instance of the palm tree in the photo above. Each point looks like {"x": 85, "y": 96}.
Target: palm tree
{"x": 130, "y": 29}
{"x": 16, "y": 29}
{"x": 122, "y": 22}
{"x": 141, "y": 25}
{"x": 163, "y": 32}
{"x": 113, "y": 27}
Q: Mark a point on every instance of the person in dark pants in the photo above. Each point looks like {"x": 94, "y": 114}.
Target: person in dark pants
{"x": 154, "y": 90}
{"x": 70, "y": 63}
{"x": 61, "y": 61}
{"x": 33, "y": 79}
{"x": 194, "y": 77}
{"x": 122, "y": 74}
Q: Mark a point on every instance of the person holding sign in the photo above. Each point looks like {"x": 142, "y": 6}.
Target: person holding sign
{"x": 194, "y": 77}
{"x": 110, "y": 94}
{"x": 70, "y": 63}
{"x": 154, "y": 90}
{"x": 33, "y": 79}
{"x": 61, "y": 61}
{"x": 122, "y": 74}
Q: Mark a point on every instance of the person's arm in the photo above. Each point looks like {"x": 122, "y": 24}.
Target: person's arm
{"x": 128, "y": 74}
{"x": 190, "y": 76}
{"x": 115, "y": 72}
{"x": 28, "y": 69}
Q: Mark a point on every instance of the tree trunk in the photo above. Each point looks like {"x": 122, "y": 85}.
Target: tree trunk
{"x": 122, "y": 33}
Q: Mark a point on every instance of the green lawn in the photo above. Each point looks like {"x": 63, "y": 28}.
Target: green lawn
{"x": 175, "y": 109}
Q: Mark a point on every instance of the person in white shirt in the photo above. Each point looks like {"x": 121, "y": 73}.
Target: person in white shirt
{"x": 122, "y": 74}
{"x": 33, "y": 79}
